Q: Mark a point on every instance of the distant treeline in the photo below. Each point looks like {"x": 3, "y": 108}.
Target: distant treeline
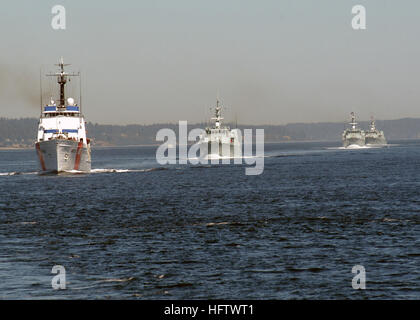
{"x": 22, "y": 132}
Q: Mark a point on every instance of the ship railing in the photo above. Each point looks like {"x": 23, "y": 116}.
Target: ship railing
{"x": 67, "y": 109}
{"x": 61, "y": 131}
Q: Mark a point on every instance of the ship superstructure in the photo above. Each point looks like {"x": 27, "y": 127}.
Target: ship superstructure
{"x": 374, "y": 136}
{"x": 219, "y": 140}
{"x": 62, "y": 144}
{"x": 353, "y": 136}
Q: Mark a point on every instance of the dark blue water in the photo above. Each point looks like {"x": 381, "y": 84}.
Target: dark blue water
{"x": 144, "y": 231}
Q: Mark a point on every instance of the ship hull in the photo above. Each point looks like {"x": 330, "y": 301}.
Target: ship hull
{"x": 220, "y": 149}
{"x": 223, "y": 149}
{"x": 59, "y": 155}
{"x": 375, "y": 140}
{"x": 358, "y": 141}
{"x": 353, "y": 137}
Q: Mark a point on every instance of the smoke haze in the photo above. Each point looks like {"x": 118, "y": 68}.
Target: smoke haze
{"x": 272, "y": 62}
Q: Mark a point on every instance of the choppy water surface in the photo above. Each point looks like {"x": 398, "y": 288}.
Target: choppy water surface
{"x": 135, "y": 229}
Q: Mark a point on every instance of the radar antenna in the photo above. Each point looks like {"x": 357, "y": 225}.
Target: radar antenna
{"x": 62, "y": 77}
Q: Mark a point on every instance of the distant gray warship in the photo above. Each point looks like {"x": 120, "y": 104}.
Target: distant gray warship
{"x": 354, "y": 135}
{"x": 374, "y": 136}
{"x": 221, "y": 141}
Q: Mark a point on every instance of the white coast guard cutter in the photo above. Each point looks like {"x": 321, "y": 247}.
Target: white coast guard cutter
{"x": 62, "y": 144}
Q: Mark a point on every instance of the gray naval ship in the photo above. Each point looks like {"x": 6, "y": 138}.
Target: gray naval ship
{"x": 62, "y": 145}
{"x": 220, "y": 141}
{"x": 374, "y": 136}
{"x": 353, "y": 136}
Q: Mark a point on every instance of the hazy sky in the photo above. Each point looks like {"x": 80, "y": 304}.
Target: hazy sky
{"x": 272, "y": 62}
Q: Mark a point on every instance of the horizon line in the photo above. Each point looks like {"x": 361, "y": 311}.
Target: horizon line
{"x": 228, "y": 122}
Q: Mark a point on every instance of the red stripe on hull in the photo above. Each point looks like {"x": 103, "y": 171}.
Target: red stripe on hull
{"x": 78, "y": 155}
{"x": 40, "y": 156}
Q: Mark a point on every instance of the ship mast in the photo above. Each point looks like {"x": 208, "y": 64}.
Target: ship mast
{"x": 353, "y": 121}
{"x": 218, "y": 115}
{"x": 62, "y": 80}
{"x": 372, "y": 124}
